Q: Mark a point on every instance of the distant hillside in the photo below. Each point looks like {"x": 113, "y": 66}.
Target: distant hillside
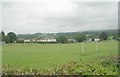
{"x": 113, "y": 32}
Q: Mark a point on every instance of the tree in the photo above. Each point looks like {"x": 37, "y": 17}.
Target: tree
{"x": 116, "y": 37}
{"x": 92, "y": 39}
{"x": 3, "y": 35}
{"x": 80, "y": 37}
{"x": 62, "y": 39}
{"x": 103, "y": 36}
{"x": 12, "y": 37}
{"x": 7, "y": 39}
{"x": 19, "y": 41}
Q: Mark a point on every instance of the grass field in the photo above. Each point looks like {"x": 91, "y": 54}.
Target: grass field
{"x": 48, "y": 55}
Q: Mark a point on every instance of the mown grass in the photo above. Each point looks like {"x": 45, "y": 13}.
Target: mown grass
{"x": 49, "y": 55}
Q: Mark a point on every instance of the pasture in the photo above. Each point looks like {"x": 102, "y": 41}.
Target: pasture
{"x": 49, "y": 55}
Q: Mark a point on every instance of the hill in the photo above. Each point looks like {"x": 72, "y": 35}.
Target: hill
{"x": 95, "y": 34}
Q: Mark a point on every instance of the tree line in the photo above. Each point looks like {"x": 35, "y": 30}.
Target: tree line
{"x": 11, "y": 37}
{"x": 80, "y": 37}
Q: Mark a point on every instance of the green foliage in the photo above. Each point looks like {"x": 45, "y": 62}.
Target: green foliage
{"x": 62, "y": 39}
{"x": 103, "y": 36}
{"x": 47, "y": 55}
{"x": 80, "y": 37}
{"x": 19, "y": 41}
{"x": 12, "y": 37}
{"x": 116, "y": 37}
{"x": 0, "y": 37}
{"x": 92, "y": 68}
{"x": 91, "y": 34}
{"x": 105, "y": 66}
{"x": 7, "y": 39}
{"x": 3, "y": 35}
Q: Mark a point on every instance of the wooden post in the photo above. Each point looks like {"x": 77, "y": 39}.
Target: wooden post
{"x": 82, "y": 48}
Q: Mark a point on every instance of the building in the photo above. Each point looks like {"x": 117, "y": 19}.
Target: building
{"x": 27, "y": 41}
{"x": 48, "y": 40}
{"x": 71, "y": 40}
{"x": 89, "y": 40}
{"x": 97, "y": 40}
{"x": 37, "y": 40}
{"x": 22, "y": 40}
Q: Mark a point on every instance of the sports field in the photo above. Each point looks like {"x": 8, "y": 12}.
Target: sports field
{"x": 48, "y": 55}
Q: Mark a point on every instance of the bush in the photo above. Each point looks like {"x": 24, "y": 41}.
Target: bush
{"x": 104, "y": 66}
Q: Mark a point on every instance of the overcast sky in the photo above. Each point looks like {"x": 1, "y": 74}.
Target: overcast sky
{"x": 58, "y": 16}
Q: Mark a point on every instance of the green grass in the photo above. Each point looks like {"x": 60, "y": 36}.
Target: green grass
{"x": 48, "y": 55}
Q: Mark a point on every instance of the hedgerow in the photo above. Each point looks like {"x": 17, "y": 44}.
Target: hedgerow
{"x": 103, "y": 66}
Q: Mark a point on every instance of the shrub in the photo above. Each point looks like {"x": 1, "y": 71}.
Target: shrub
{"x": 104, "y": 66}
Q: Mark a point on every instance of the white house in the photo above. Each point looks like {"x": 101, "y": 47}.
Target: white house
{"x": 27, "y": 40}
{"x": 53, "y": 40}
{"x": 44, "y": 40}
{"x": 48, "y": 40}
{"x": 71, "y": 40}
{"x": 97, "y": 40}
{"x": 89, "y": 40}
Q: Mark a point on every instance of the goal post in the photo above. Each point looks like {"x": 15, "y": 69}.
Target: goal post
{"x": 96, "y": 46}
{"x": 82, "y": 48}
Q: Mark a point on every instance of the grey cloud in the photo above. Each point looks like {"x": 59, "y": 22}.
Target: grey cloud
{"x": 59, "y": 17}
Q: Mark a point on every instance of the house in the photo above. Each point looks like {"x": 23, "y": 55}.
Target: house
{"x": 89, "y": 40}
{"x": 44, "y": 40}
{"x": 97, "y": 40}
{"x": 37, "y": 40}
{"x": 48, "y": 40}
{"x": 33, "y": 40}
{"x": 71, "y": 40}
{"x": 20, "y": 40}
{"x": 26, "y": 40}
